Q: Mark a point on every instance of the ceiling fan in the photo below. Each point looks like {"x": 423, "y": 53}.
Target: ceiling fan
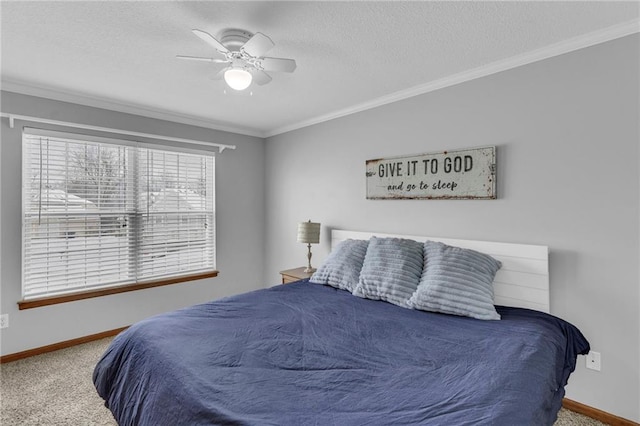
{"x": 244, "y": 53}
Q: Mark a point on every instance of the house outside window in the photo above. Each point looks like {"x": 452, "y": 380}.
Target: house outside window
{"x": 101, "y": 213}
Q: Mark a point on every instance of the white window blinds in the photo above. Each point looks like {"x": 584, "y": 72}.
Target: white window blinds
{"x": 99, "y": 214}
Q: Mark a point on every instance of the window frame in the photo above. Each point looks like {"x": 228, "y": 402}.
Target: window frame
{"x": 106, "y": 291}
{"x": 137, "y": 284}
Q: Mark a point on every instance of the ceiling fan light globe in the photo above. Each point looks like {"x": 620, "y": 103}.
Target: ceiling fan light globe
{"x": 237, "y": 79}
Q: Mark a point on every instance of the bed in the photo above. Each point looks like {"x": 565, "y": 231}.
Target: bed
{"x": 312, "y": 354}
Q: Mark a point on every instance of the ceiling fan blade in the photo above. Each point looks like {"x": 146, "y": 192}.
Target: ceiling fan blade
{"x": 257, "y": 45}
{"x": 210, "y": 40}
{"x": 278, "y": 64}
{"x": 199, "y": 58}
{"x": 260, "y": 77}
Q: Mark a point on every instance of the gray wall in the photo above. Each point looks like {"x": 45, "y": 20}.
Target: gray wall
{"x": 566, "y": 130}
{"x": 240, "y": 224}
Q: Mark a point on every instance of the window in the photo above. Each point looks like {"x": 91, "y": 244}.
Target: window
{"x": 99, "y": 213}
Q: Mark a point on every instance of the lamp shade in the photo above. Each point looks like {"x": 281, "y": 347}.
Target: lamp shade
{"x": 309, "y": 232}
{"x": 237, "y": 78}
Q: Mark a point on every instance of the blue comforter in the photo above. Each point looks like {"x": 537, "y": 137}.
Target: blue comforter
{"x": 308, "y": 354}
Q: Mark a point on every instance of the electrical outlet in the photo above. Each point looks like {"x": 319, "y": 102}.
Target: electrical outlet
{"x": 593, "y": 360}
{"x": 4, "y": 320}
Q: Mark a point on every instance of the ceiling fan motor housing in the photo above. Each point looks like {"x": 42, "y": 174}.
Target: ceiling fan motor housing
{"x": 233, "y": 38}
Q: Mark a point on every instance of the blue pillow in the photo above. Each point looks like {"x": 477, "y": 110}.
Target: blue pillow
{"x": 342, "y": 267}
{"x": 456, "y": 281}
{"x": 391, "y": 270}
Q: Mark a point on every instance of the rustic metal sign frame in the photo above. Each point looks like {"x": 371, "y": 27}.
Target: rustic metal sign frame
{"x": 464, "y": 174}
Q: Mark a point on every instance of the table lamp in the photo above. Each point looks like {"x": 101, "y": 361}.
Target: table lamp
{"x": 309, "y": 233}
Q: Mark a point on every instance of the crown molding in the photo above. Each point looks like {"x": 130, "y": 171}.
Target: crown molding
{"x": 127, "y": 108}
{"x": 566, "y": 46}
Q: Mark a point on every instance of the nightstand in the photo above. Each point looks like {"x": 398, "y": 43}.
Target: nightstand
{"x": 293, "y": 275}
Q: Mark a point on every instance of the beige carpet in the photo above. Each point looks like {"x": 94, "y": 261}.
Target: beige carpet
{"x": 56, "y": 389}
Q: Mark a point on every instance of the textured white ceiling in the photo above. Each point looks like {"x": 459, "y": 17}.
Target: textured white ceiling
{"x": 350, "y": 55}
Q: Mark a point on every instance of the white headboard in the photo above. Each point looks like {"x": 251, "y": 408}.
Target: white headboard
{"x": 523, "y": 280}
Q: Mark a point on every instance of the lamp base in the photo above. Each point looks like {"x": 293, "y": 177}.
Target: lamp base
{"x": 309, "y": 269}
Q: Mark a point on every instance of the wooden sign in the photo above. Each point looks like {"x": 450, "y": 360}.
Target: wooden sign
{"x": 463, "y": 174}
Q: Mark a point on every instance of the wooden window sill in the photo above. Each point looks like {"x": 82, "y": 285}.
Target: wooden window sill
{"x": 70, "y": 297}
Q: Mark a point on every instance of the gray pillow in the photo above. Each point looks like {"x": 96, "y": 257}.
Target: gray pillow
{"x": 391, "y": 270}
{"x": 456, "y": 281}
{"x": 342, "y": 267}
